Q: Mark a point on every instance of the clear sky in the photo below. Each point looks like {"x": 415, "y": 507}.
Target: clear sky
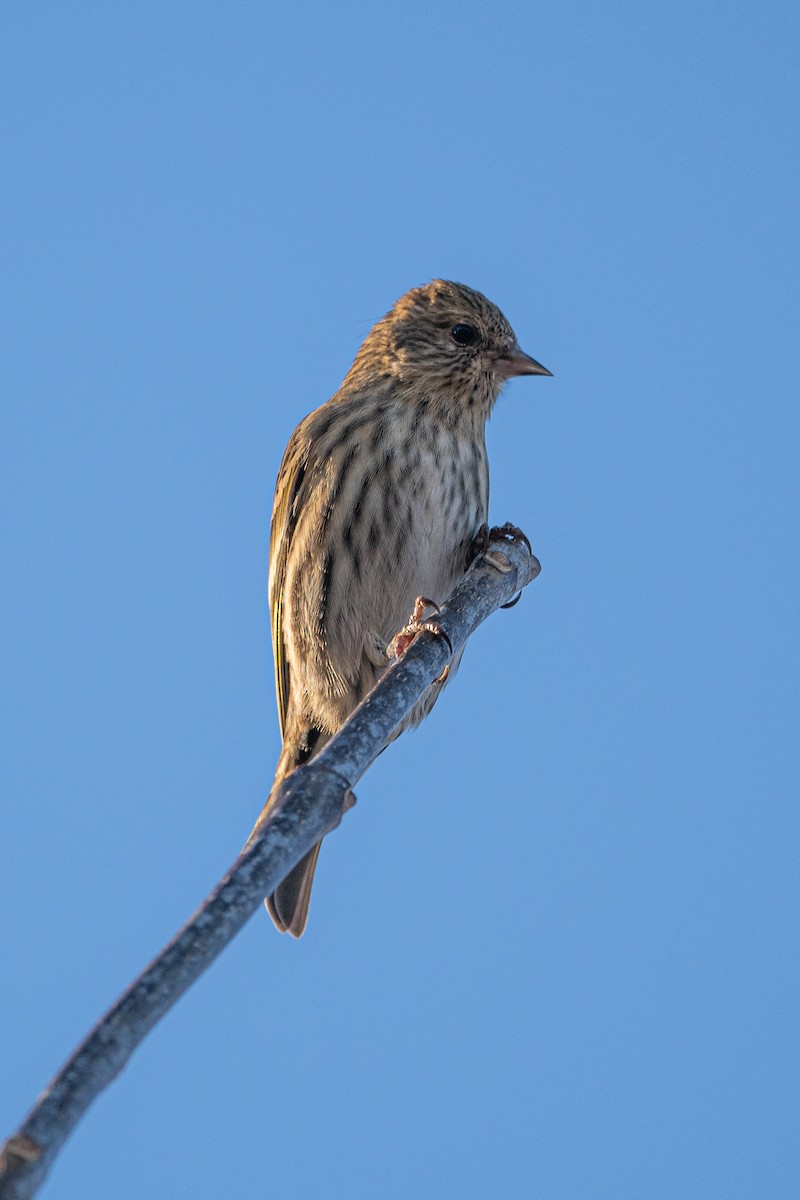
{"x": 553, "y": 950}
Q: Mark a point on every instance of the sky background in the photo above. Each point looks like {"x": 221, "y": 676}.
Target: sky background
{"x": 553, "y": 951}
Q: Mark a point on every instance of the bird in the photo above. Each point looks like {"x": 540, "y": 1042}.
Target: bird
{"x": 380, "y": 497}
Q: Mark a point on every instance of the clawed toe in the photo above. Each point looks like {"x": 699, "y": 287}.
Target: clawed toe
{"x": 403, "y": 639}
{"x": 509, "y": 533}
{"x": 420, "y": 605}
{"x": 498, "y": 533}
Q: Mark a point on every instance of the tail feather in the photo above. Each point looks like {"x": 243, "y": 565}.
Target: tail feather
{"x": 288, "y": 904}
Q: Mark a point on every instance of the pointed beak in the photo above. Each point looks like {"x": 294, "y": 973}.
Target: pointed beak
{"x": 517, "y": 362}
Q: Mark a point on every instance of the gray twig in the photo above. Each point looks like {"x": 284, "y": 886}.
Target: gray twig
{"x": 309, "y": 804}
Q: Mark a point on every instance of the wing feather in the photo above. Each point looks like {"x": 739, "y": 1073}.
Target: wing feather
{"x": 285, "y": 511}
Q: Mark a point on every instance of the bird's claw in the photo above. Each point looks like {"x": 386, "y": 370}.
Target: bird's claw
{"x": 498, "y": 533}
{"x": 509, "y": 533}
{"x": 403, "y": 639}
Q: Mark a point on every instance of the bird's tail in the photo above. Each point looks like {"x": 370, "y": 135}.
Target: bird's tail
{"x": 288, "y": 904}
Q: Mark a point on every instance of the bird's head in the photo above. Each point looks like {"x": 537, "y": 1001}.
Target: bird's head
{"x": 446, "y": 341}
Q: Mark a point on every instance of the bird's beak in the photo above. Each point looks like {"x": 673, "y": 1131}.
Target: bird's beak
{"x": 517, "y": 362}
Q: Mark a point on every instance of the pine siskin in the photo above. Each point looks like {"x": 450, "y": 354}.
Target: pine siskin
{"x": 379, "y": 498}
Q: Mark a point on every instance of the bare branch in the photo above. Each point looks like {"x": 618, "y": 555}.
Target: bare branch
{"x": 309, "y": 804}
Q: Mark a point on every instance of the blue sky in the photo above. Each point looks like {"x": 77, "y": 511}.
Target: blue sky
{"x": 552, "y": 952}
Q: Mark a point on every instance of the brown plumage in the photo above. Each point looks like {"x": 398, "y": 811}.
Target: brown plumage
{"x": 379, "y": 497}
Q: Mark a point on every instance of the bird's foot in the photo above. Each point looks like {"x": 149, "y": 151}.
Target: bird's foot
{"x": 498, "y": 533}
{"x": 505, "y": 533}
{"x": 403, "y": 639}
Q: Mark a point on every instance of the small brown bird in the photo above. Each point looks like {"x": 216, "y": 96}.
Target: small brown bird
{"x": 379, "y": 498}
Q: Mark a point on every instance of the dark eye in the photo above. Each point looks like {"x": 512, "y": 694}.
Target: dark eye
{"x": 464, "y": 335}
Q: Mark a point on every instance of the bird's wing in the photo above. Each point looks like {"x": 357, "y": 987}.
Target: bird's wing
{"x": 286, "y": 507}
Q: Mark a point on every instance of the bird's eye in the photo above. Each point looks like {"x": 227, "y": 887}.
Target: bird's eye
{"x": 464, "y": 335}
